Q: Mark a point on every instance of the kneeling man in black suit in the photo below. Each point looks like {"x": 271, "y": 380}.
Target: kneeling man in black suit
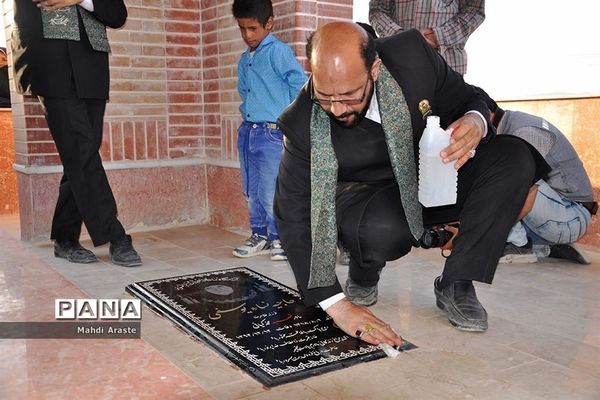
{"x": 349, "y": 170}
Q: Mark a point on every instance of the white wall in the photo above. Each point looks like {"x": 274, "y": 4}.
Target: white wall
{"x": 533, "y": 49}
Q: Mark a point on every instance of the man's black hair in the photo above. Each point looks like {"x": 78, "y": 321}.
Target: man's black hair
{"x": 368, "y": 28}
{"x": 262, "y": 10}
{"x": 367, "y": 49}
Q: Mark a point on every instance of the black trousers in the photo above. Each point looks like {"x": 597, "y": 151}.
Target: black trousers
{"x": 84, "y": 194}
{"x": 492, "y": 188}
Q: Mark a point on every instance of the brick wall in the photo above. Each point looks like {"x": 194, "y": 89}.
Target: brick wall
{"x": 154, "y": 109}
{"x": 155, "y": 105}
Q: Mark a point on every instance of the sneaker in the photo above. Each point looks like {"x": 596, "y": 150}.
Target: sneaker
{"x": 518, "y": 254}
{"x": 344, "y": 256}
{"x": 569, "y": 252}
{"x": 253, "y": 246}
{"x": 123, "y": 254}
{"x": 74, "y": 252}
{"x": 360, "y": 295}
{"x": 277, "y": 252}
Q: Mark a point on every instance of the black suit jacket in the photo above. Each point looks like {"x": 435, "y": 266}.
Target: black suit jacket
{"x": 61, "y": 68}
{"x": 422, "y": 74}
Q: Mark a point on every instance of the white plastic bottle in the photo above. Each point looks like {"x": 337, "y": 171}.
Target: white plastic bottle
{"x": 437, "y": 181}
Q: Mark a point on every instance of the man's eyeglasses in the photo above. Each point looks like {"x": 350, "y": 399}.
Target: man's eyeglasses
{"x": 348, "y": 102}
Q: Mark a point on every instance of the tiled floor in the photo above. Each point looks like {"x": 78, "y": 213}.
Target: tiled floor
{"x": 543, "y": 340}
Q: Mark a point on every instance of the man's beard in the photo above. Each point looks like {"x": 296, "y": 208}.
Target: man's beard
{"x": 358, "y": 115}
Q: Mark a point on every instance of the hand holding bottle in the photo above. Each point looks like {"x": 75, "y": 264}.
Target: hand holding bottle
{"x": 466, "y": 133}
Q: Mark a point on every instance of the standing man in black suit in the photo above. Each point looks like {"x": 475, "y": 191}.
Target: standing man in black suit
{"x": 60, "y": 54}
{"x": 349, "y": 169}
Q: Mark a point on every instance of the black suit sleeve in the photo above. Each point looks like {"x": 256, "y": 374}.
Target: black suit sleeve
{"x": 422, "y": 73}
{"x": 111, "y": 13}
{"x": 455, "y": 96}
{"x": 292, "y": 199}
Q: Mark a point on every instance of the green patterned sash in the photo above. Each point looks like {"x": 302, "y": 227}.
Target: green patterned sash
{"x": 395, "y": 121}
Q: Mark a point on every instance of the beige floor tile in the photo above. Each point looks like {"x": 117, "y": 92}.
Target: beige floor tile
{"x": 239, "y": 390}
{"x": 198, "y": 264}
{"x": 291, "y": 391}
{"x": 572, "y": 353}
{"x": 551, "y": 381}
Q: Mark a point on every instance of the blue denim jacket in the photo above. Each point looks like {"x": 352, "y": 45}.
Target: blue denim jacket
{"x": 268, "y": 80}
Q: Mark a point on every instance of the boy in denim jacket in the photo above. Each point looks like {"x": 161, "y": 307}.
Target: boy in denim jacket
{"x": 269, "y": 78}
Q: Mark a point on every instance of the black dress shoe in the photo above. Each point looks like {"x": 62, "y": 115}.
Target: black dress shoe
{"x": 569, "y": 252}
{"x": 73, "y": 252}
{"x": 122, "y": 253}
{"x": 460, "y": 302}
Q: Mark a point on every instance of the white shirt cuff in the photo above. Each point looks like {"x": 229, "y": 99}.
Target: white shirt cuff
{"x": 325, "y": 304}
{"x": 87, "y": 4}
{"x": 485, "y": 124}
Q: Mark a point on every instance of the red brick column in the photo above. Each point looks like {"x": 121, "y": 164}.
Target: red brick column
{"x": 9, "y": 200}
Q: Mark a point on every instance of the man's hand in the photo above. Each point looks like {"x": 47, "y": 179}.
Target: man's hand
{"x": 352, "y": 319}
{"x": 53, "y": 5}
{"x": 450, "y": 243}
{"x": 430, "y": 37}
{"x": 467, "y": 132}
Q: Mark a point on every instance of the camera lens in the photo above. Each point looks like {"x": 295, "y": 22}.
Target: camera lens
{"x": 429, "y": 239}
{"x": 435, "y": 237}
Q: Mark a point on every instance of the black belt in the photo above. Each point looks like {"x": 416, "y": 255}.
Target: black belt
{"x": 591, "y": 206}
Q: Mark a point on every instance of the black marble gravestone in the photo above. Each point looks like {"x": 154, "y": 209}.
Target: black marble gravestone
{"x": 257, "y": 323}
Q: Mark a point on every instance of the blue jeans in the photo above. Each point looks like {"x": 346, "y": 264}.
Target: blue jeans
{"x": 552, "y": 220}
{"x": 260, "y": 148}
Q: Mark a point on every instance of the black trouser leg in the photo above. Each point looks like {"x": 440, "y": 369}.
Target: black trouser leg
{"x": 372, "y": 226}
{"x": 85, "y": 194}
{"x": 491, "y": 191}
{"x": 66, "y": 223}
